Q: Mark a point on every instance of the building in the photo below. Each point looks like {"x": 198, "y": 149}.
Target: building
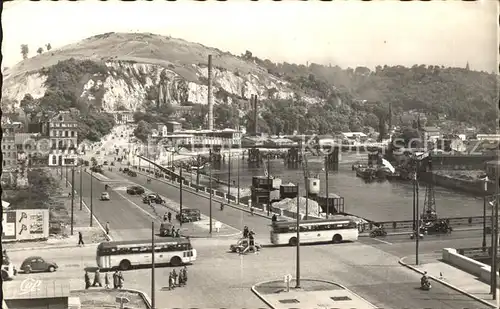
{"x": 40, "y": 294}
{"x": 159, "y": 130}
{"x": 9, "y": 152}
{"x": 123, "y": 117}
{"x": 173, "y": 126}
{"x": 32, "y": 147}
{"x": 431, "y": 133}
{"x": 63, "y": 137}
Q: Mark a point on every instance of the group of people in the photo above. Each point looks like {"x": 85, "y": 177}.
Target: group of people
{"x": 177, "y": 280}
{"x": 250, "y": 235}
{"x": 117, "y": 279}
{"x": 167, "y": 216}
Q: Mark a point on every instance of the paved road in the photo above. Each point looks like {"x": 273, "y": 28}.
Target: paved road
{"x": 221, "y": 279}
{"x": 229, "y": 215}
{"x": 126, "y": 220}
{"x": 402, "y": 246}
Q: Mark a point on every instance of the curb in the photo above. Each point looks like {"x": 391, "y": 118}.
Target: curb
{"x": 451, "y": 286}
{"x": 254, "y": 290}
{"x": 211, "y": 237}
{"x": 49, "y": 247}
{"x": 143, "y": 295}
{"x": 193, "y": 191}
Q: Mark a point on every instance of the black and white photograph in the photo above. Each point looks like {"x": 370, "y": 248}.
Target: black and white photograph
{"x": 250, "y": 154}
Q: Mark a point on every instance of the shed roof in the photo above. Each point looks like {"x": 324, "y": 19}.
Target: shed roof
{"x": 17, "y": 289}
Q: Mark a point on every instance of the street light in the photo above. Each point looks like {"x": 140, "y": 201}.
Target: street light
{"x": 484, "y": 212}
{"x": 180, "y": 195}
{"x": 239, "y": 180}
{"x": 327, "y": 194}
{"x": 72, "y": 197}
{"x": 297, "y": 265}
{"x": 81, "y": 184}
{"x": 153, "y": 265}
{"x": 91, "y": 196}
{"x": 229, "y": 179}
{"x": 210, "y": 186}
{"x": 494, "y": 247}
{"x": 268, "y": 183}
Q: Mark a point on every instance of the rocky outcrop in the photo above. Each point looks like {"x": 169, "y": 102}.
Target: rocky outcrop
{"x": 130, "y": 84}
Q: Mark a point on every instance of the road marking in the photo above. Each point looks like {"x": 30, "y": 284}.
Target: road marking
{"x": 383, "y": 241}
{"x": 137, "y": 206}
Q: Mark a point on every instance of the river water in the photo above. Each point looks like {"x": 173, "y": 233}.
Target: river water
{"x": 378, "y": 201}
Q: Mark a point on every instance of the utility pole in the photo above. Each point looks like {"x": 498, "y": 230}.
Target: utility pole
{"x": 229, "y": 179}
{"x": 153, "y": 265}
{"x": 81, "y": 184}
{"x": 66, "y": 176}
{"x": 494, "y": 265}
{"x": 72, "y": 197}
{"x": 198, "y": 173}
{"x": 269, "y": 184}
{"x": 297, "y": 266}
{"x": 417, "y": 214}
{"x": 91, "y": 197}
{"x": 307, "y": 197}
{"x": 210, "y": 186}
{"x": 414, "y": 200}
{"x": 238, "y": 180}
{"x": 484, "y": 212}
{"x": 180, "y": 194}
{"x": 327, "y": 193}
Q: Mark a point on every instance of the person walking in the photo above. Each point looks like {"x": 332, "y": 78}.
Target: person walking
{"x": 80, "y": 239}
{"x": 107, "y": 228}
{"x": 245, "y": 232}
{"x": 178, "y": 233}
{"x": 170, "y": 281}
{"x": 115, "y": 279}
{"x": 184, "y": 275}
{"x": 169, "y": 215}
{"x": 274, "y": 218}
{"x": 87, "y": 280}
{"x": 106, "y": 280}
{"x": 172, "y": 232}
{"x": 120, "y": 280}
{"x": 174, "y": 276}
{"x": 97, "y": 278}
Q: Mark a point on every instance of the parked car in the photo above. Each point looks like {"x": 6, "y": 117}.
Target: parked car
{"x": 125, "y": 170}
{"x": 38, "y": 264}
{"x": 189, "y": 215}
{"x": 135, "y": 190}
{"x": 105, "y": 196}
{"x": 152, "y": 198}
{"x": 105, "y": 163}
{"x": 242, "y": 244}
{"x": 96, "y": 169}
{"x": 132, "y": 173}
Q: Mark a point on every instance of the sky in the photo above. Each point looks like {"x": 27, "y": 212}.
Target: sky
{"x": 343, "y": 33}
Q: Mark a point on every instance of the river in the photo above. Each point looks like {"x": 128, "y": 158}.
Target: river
{"x": 378, "y": 201}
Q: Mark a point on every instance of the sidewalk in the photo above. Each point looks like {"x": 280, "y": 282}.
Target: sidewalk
{"x": 451, "y": 276}
{"x": 312, "y": 294}
{"x": 61, "y": 212}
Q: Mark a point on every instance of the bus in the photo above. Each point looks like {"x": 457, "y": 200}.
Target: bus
{"x": 125, "y": 254}
{"x": 312, "y": 231}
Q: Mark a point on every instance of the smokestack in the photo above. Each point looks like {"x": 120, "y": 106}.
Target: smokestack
{"x": 210, "y": 103}
{"x": 255, "y": 115}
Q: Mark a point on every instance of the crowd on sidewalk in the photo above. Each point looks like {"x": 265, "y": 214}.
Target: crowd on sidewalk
{"x": 117, "y": 280}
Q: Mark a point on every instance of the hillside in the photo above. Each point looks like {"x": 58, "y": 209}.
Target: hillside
{"x": 129, "y": 71}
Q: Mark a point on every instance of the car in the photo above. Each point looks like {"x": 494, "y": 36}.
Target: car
{"x": 105, "y": 163}
{"x": 105, "y": 196}
{"x": 125, "y": 170}
{"x": 135, "y": 190}
{"x": 166, "y": 229}
{"x": 132, "y": 173}
{"x": 242, "y": 244}
{"x": 189, "y": 215}
{"x": 38, "y": 264}
{"x": 152, "y": 198}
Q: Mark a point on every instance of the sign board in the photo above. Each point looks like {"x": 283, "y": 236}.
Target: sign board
{"x": 25, "y": 224}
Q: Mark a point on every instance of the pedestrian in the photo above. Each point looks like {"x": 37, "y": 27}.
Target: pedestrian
{"x": 245, "y": 232}
{"x": 169, "y": 216}
{"x": 274, "y": 218}
{"x": 97, "y": 278}
{"x": 165, "y": 217}
{"x": 172, "y": 232}
{"x": 251, "y": 210}
{"x": 178, "y": 233}
{"x": 87, "y": 280}
{"x": 120, "y": 280}
{"x": 181, "y": 282}
{"x": 170, "y": 281}
{"x": 185, "y": 275}
{"x": 106, "y": 280}
{"x": 80, "y": 239}
{"x": 107, "y": 227}
{"x": 174, "y": 276}
{"x": 115, "y": 279}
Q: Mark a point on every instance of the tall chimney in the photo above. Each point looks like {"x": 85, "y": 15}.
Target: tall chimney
{"x": 210, "y": 103}
{"x": 255, "y": 115}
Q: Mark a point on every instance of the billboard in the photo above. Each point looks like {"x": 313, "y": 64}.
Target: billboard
{"x": 25, "y": 224}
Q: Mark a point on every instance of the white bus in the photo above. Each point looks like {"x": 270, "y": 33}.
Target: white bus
{"x": 125, "y": 254}
{"x": 311, "y": 231}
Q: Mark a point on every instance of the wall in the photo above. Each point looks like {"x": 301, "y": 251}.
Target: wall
{"x": 482, "y": 271}
{"x": 39, "y": 303}
{"x": 25, "y": 224}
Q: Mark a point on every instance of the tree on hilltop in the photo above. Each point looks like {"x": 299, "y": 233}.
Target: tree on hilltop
{"x": 39, "y": 50}
{"x": 48, "y": 46}
{"x": 24, "y": 51}
{"x": 142, "y": 131}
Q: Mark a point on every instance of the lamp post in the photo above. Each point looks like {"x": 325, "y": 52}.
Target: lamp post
{"x": 180, "y": 194}
{"x": 327, "y": 192}
{"x": 66, "y": 168}
{"x": 238, "y": 181}
{"x": 417, "y": 214}
{"x": 198, "y": 174}
{"x": 91, "y": 197}
{"x": 153, "y": 265}
{"x": 81, "y": 186}
{"x": 210, "y": 187}
{"x": 269, "y": 183}
{"x": 484, "y": 212}
{"x": 297, "y": 265}
{"x": 494, "y": 247}
{"x": 229, "y": 178}
{"x": 72, "y": 197}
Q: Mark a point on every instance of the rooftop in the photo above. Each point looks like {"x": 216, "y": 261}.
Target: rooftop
{"x": 15, "y": 289}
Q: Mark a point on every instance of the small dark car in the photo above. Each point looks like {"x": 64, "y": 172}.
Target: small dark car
{"x": 125, "y": 170}
{"x": 132, "y": 173}
{"x": 135, "y": 190}
{"x": 38, "y": 264}
{"x": 153, "y": 198}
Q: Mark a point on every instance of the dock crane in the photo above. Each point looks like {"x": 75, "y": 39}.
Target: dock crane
{"x": 429, "y": 212}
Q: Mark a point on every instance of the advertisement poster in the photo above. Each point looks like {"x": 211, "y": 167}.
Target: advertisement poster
{"x": 9, "y": 225}
{"x": 32, "y": 224}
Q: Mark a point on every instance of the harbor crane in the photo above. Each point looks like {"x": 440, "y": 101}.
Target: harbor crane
{"x": 429, "y": 212}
